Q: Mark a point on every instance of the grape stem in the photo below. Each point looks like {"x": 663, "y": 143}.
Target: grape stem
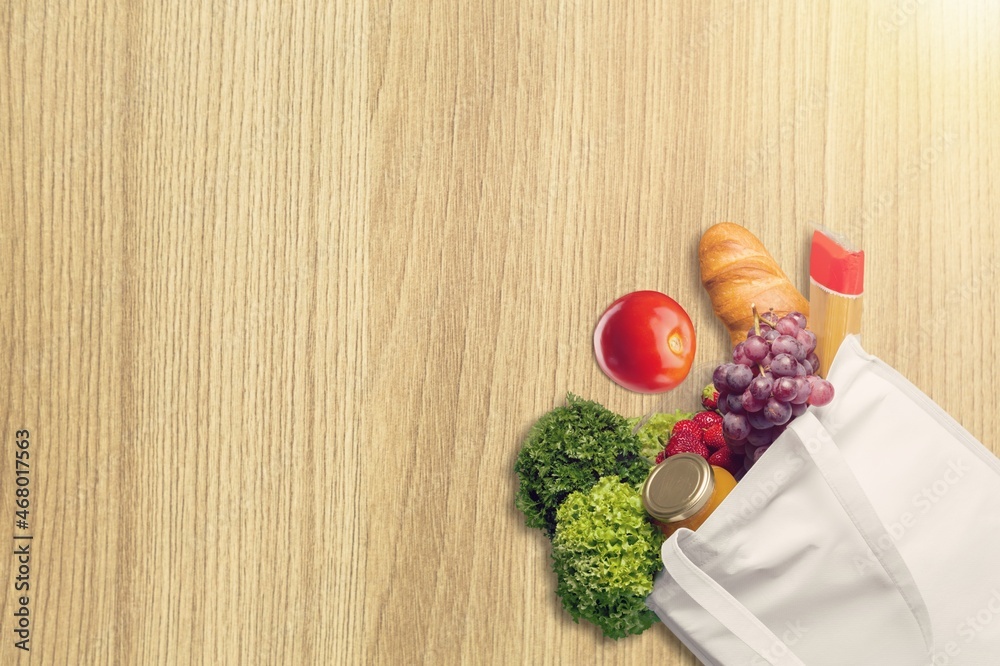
{"x": 756, "y": 328}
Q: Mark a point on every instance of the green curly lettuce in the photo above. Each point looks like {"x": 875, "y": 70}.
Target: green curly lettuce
{"x": 655, "y": 432}
{"x": 605, "y": 553}
{"x": 569, "y": 449}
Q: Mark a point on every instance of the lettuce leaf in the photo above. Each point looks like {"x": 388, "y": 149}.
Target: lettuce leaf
{"x": 605, "y": 553}
{"x": 655, "y": 433}
{"x": 569, "y": 449}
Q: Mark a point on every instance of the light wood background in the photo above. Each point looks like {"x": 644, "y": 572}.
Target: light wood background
{"x": 285, "y": 284}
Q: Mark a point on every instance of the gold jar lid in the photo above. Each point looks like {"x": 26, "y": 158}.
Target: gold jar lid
{"x": 678, "y": 487}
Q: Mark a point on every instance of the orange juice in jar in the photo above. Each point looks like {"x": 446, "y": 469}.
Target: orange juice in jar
{"x": 683, "y": 491}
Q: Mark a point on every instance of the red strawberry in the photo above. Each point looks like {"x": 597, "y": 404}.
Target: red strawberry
{"x": 710, "y": 397}
{"x": 687, "y": 438}
{"x": 684, "y": 427}
{"x": 707, "y": 419}
{"x": 686, "y": 444}
{"x": 725, "y": 459}
{"x": 713, "y": 437}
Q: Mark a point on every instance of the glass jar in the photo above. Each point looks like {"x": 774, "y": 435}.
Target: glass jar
{"x": 683, "y": 491}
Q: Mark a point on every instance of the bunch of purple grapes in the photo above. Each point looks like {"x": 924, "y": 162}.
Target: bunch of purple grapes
{"x": 770, "y": 381}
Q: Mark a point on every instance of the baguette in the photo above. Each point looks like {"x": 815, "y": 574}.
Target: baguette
{"x": 737, "y": 271}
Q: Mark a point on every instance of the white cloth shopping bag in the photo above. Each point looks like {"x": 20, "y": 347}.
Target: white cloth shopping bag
{"x": 869, "y": 533}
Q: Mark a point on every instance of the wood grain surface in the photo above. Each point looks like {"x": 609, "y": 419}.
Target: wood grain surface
{"x": 287, "y": 282}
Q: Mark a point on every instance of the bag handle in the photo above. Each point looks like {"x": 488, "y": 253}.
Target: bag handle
{"x": 810, "y": 438}
{"x": 723, "y": 606}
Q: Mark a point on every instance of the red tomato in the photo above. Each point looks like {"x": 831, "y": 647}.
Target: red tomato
{"x": 645, "y": 342}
